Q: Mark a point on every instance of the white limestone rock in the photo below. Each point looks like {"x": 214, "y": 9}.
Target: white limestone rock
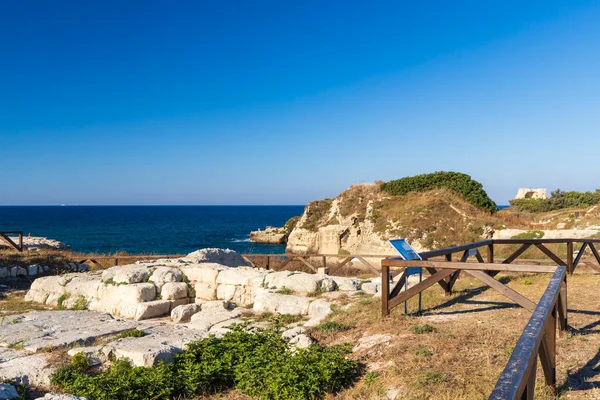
{"x": 205, "y": 273}
{"x": 56, "y": 396}
{"x": 30, "y": 370}
{"x": 206, "y": 291}
{"x": 174, "y": 291}
{"x": 32, "y": 270}
{"x": 4, "y": 272}
{"x": 303, "y": 283}
{"x": 161, "y": 343}
{"x": 215, "y": 305}
{"x": 184, "y": 313}
{"x": 45, "y": 329}
{"x": 204, "y": 320}
{"x": 369, "y": 287}
{"x": 21, "y": 272}
{"x": 293, "y": 332}
{"x": 152, "y": 309}
{"x": 276, "y": 280}
{"x": 346, "y": 284}
{"x": 83, "y": 285}
{"x": 280, "y": 303}
{"x": 301, "y": 341}
{"x": 162, "y": 275}
{"x": 225, "y": 257}
{"x": 132, "y": 273}
{"x": 241, "y": 277}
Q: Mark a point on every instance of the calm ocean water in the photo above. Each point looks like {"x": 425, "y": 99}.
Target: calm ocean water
{"x": 149, "y": 229}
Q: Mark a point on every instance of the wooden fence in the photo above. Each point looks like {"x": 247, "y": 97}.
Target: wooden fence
{"x": 539, "y": 336}
{"x": 324, "y": 261}
{"x": 10, "y": 242}
{"x": 517, "y": 381}
{"x": 109, "y": 261}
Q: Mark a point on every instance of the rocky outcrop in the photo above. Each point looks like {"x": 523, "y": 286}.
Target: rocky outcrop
{"x": 269, "y": 236}
{"x": 527, "y": 193}
{"x": 362, "y": 219}
{"x": 36, "y": 243}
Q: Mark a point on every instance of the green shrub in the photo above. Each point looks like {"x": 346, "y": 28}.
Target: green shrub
{"x": 558, "y": 200}
{"x": 332, "y": 326}
{"x": 80, "y": 304}
{"x": 459, "y": 183}
{"x": 421, "y": 329}
{"x": 535, "y": 234}
{"x": 61, "y": 300}
{"x": 260, "y": 364}
{"x": 431, "y": 378}
{"x": 284, "y": 290}
{"x": 132, "y": 333}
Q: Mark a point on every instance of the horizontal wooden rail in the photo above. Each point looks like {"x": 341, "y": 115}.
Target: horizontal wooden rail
{"x": 330, "y": 268}
{"x": 517, "y": 381}
{"x": 117, "y": 260}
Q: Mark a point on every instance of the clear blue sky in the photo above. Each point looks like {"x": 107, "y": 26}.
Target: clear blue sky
{"x": 283, "y": 102}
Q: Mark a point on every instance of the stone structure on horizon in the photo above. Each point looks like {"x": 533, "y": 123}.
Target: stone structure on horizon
{"x": 527, "y": 193}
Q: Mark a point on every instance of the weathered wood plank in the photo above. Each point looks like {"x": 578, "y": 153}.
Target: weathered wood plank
{"x": 419, "y": 287}
{"x": 503, "y": 289}
{"x": 516, "y": 254}
{"x": 471, "y": 266}
{"x": 550, "y": 254}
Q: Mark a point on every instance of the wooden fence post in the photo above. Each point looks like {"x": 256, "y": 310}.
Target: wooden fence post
{"x": 490, "y": 253}
{"x": 570, "y": 267}
{"x": 385, "y": 291}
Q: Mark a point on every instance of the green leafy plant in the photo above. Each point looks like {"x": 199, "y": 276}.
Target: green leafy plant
{"x": 132, "y": 333}
{"x": 421, "y": 329}
{"x": 80, "y": 304}
{"x": 61, "y": 300}
{"x": 332, "y": 326}
{"x": 284, "y": 290}
{"x": 558, "y": 200}
{"x": 258, "y": 364}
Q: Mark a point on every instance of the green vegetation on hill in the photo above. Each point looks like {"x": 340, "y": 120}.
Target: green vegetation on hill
{"x": 558, "y": 200}
{"x": 260, "y": 365}
{"x": 459, "y": 183}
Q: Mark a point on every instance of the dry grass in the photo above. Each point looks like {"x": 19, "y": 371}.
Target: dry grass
{"x": 475, "y": 332}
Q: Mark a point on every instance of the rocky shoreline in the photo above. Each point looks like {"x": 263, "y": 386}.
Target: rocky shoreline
{"x": 36, "y": 243}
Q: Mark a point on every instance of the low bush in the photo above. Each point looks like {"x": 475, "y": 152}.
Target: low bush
{"x": 421, "y": 329}
{"x": 535, "y": 234}
{"x": 132, "y": 333}
{"x": 459, "y": 183}
{"x": 332, "y": 326}
{"x": 257, "y": 364}
{"x": 558, "y": 200}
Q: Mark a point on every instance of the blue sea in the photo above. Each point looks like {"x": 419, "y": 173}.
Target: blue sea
{"x": 149, "y": 229}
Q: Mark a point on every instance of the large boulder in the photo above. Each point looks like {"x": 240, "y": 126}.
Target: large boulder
{"x": 241, "y": 277}
{"x": 280, "y": 303}
{"x": 205, "y": 273}
{"x": 162, "y": 275}
{"x": 152, "y": 309}
{"x": 225, "y": 257}
{"x": 204, "y": 320}
{"x": 174, "y": 291}
{"x": 133, "y": 273}
{"x": 183, "y": 313}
